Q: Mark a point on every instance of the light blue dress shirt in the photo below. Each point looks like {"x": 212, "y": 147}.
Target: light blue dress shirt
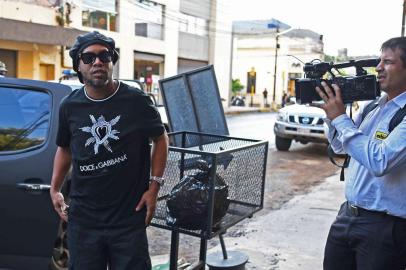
{"x": 376, "y": 176}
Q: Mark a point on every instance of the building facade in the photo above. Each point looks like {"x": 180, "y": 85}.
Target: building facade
{"x": 254, "y": 49}
{"x": 155, "y": 39}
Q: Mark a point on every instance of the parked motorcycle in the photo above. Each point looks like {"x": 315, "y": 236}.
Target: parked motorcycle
{"x": 238, "y": 101}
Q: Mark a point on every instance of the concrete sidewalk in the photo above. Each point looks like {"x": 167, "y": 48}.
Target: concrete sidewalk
{"x": 294, "y": 236}
{"x": 232, "y": 110}
{"x": 289, "y": 238}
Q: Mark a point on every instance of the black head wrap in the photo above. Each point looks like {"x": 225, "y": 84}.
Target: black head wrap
{"x": 84, "y": 41}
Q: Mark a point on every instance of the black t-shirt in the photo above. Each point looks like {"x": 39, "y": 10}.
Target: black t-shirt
{"x": 109, "y": 142}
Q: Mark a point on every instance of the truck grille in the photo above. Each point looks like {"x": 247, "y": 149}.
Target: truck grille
{"x": 320, "y": 122}
{"x": 305, "y": 120}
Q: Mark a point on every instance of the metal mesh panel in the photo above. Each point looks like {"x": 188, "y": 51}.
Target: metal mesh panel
{"x": 244, "y": 175}
{"x": 193, "y": 140}
{"x": 206, "y": 142}
{"x": 239, "y": 162}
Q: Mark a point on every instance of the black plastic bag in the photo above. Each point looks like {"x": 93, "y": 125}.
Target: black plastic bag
{"x": 187, "y": 204}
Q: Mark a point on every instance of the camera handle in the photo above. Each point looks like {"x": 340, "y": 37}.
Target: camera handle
{"x": 359, "y": 65}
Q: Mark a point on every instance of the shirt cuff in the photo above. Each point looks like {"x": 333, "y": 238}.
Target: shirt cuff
{"x": 327, "y": 121}
{"x": 341, "y": 122}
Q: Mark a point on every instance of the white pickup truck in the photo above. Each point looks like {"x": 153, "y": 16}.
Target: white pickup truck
{"x": 301, "y": 123}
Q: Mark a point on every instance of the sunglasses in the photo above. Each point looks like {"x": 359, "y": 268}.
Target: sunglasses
{"x": 90, "y": 58}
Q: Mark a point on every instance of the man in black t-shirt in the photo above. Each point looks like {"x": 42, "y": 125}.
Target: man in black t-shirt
{"x": 104, "y": 132}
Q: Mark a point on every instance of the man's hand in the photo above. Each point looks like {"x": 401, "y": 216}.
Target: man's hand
{"x": 149, "y": 199}
{"x": 59, "y": 205}
{"x": 333, "y": 104}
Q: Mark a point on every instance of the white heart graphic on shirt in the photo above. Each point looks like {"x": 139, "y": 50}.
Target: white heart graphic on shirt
{"x": 102, "y": 133}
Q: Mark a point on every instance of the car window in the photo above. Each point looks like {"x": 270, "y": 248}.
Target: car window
{"x": 73, "y": 84}
{"x": 24, "y": 118}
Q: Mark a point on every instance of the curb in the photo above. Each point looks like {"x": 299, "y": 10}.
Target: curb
{"x": 245, "y": 110}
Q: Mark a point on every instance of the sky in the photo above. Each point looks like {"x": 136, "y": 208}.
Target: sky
{"x": 361, "y": 26}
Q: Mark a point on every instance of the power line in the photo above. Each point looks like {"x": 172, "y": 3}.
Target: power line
{"x": 173, "y": 15}
{"x": 273, "y": 55}
{"x": 219, "y": 8}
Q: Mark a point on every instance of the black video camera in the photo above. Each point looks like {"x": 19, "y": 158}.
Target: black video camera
{"x": 353, "y": 88}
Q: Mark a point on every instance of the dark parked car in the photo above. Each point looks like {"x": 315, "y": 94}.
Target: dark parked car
{"x": 31, "y": 234}
{"x": 29, "y": 227}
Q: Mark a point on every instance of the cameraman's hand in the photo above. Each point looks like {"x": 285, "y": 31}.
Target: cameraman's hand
{"x": 333, "y": 104}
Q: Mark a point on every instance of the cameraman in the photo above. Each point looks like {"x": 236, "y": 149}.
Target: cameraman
{"x": 370, "y": 229}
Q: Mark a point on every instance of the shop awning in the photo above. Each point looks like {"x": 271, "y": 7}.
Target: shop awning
{"x": 157, "y": 58}
{"x": 37, "y": 33}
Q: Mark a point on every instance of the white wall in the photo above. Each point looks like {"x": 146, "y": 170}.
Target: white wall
{"x": 219, "y": 41}
{"x": 220, "y": 45}
{"x": 27, "y": 12}
{"x": 259, "y": 52}
{"x": 171, "y": 35}
{"x": 127, "y": 42}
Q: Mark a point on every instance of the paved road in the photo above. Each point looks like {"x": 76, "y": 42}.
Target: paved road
{"x": 302, "y": 195}
{"x": 256, "y": 126}
{"x": 253, "y": 126}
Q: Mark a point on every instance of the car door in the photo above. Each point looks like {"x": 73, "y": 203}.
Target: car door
{"x": 28, "y": 127}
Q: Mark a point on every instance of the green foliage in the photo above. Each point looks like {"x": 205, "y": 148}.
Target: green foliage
{"x": 12, "y": 139}
{"x": 334, "y": 59}
{"x": 329, "y": 58}
{"x": 371, "y": 70}
{"x": 236, "y": 86}
{"x": 346, "y": 71}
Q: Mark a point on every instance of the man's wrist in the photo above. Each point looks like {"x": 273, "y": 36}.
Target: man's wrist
{"x": 54, "y": 190}
{"x": 154, "y": 187}
{"x": 160, "y": 180}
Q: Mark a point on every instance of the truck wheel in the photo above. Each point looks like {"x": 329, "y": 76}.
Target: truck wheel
{"x": 282, "y": 144}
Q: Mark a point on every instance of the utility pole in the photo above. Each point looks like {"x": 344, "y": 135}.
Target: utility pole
{"x": 403, "y": 18}
{"x": 276, "y": 24}
{"x": 276, "y": 63}
{"x": 230, "y": 93}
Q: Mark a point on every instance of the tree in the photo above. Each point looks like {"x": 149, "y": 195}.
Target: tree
{"x": 329, "y": 58}
{"x": 236, "y": 86}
